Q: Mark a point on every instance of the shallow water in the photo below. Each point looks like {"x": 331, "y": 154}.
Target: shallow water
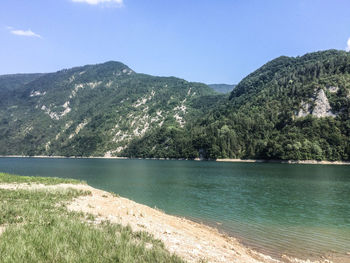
{"x": 298, "y": 210}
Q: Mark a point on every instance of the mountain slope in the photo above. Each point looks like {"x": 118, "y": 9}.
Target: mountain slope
{"x": 93, "y": 110}
{"x": 290, "y": 108}
{"x": 9, "y": 84}
{"x": 171, "y": 141}
{"x": 13, "y": 81}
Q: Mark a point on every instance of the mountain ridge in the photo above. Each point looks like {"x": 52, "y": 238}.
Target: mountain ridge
{"x": 72, "y": 111}
{"x": 276, "y": 112}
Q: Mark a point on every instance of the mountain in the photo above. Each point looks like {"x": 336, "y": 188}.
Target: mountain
{"x": 10, "y": 83}
{"x": 222, "y": 88}
{"x": 13, "y": 81}
{"x": 292, "y": 108}
{"x": 94, "y": 110}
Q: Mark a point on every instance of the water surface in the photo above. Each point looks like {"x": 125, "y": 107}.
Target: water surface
{"x": 298, "y": 210}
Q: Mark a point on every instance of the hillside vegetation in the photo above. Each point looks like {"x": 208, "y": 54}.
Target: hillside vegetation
{"x": 290, "y": 108}
{"x": 95, "y": 110}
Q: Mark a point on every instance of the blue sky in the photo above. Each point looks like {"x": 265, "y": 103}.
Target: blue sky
{"x": 208, "y": 41}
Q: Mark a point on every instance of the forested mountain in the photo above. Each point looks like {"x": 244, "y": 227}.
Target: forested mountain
{"x": 290, "y": 108}
{"x": 91, "y": 110}
{"x": 14, "y": 81}
{"x": 222, "y": 88}
{"x": 10, "y": 83}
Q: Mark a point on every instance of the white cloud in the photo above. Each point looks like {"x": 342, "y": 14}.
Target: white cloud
{"x": 96, "y": 2}
{"x": 348, "y": 45}
{"x": 25, "y": 33}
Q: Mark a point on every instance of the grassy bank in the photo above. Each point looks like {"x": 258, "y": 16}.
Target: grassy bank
{"x": 35, "y": 226}
{"x": 10, "y": 178}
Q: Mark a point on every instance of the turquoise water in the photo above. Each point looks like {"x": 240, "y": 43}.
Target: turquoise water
{"x": 298, "y": 210}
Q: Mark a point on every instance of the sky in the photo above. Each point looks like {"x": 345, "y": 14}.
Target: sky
{"x": 210, "y": 41}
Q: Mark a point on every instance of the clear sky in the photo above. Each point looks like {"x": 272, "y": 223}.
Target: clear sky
{"x": 210, "y": 41}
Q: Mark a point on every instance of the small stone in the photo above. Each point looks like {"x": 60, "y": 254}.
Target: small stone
{"x": 167, "y": 231}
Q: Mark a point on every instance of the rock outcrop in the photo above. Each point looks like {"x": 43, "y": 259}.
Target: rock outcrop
{"x": 321, "y": 107}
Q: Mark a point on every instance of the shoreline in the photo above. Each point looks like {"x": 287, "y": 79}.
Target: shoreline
{"x": 228, "y": 160}
{"x": 192, "y": 241}
{"x": 284, "y": 161}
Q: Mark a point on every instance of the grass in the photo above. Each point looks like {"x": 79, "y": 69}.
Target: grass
{"x": 39, "y": 228}
{"x": 9, "y": 178}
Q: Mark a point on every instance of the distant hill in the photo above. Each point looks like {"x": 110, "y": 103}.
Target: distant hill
{"x": 91, "y": 110}
{"x": 10, "y": 83}
{"x": 13, "y": 81}
{"x": 222, "y": 88}
{"x": 292, "y": 108}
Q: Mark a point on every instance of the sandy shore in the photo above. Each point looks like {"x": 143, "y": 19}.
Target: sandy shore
{"x": 197, "y": 159}
{"x": 191, "y": 241}
{"x": 281, "y": 161}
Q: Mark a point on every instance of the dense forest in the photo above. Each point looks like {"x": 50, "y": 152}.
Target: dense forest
{"x": 292, "y": 108}
{"x": 93, "y": 110}
{"x": 260, "y": 118}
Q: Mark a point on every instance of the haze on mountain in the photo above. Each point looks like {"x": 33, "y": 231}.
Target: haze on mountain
{"x": 222, "y": 88}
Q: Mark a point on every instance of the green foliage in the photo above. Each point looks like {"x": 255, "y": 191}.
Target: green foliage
{"x": 11, "y": 84}
{"x": 38, "y": 228}
{"x": 136, "y": 115}
{"x": 109, "y": 105}
{"x": 260, "y": 119}
{"x": 9, "y": 178}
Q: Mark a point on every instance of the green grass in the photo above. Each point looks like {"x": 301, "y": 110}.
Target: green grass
{"x": 9, "y": 178}
{"x": 40, "y": 229}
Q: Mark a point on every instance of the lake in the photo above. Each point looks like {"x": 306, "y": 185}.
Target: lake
{"x": 298, "y": 210}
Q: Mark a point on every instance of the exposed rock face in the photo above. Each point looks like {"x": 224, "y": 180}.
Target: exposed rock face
{"x": 321, "y": 108}
{"x": 304, "y": 110}
{"x": 333, "y": 89}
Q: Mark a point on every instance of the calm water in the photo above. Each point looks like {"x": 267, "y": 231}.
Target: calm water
{"x": 298, "y": 210}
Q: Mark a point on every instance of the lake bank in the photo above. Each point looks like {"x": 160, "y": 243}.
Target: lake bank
{"x": 36, "y": 226}
{"x": 196, "y": 159}
{"x": 284, "y": 161}
{"x": 275, "y": 209}
{"x": 189, "y": 240}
